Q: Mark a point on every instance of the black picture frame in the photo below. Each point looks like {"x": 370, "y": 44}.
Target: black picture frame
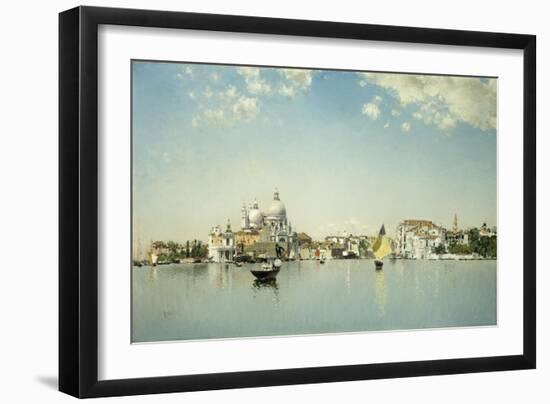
{"x": 78, "y": 200}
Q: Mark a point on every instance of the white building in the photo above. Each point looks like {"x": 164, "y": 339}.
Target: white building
{"x": 416, "y": 239}
{"x": 486, "y": 231}
{"x": 273, "y": 222}
{"x": 221, "y": 244}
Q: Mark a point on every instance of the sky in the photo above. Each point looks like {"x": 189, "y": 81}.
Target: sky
{"x": 348, "y": 151}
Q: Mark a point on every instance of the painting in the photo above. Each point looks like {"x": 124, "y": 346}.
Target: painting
{"x": 279, "y": 201}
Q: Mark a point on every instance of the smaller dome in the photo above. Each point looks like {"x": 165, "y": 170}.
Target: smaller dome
{"x": 256, "y": 218}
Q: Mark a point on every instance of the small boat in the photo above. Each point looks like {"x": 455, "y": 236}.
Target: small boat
{"x": 381, "y": 248}
{"x": 321, "y": 261}
{"x": 268, "y": 271}
{"x": 238, "y": 264}
{"x": 349, "y": 255}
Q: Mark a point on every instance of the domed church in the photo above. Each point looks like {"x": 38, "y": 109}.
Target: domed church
{"x": 269, "y": 226}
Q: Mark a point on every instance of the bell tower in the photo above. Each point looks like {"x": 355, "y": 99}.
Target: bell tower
{"x": 245, "y": 222}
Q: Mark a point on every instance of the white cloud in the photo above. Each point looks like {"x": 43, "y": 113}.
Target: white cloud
{"x": 214, "y": 116}
{"x": 208, "y": 92}
{"x": 215, "y": 77}
{"x": 254, "y": 82}
{"x": 295, "y": 81}
{"x": 372, "y": 109}
{"x": 250, "y": 72}
{"x": 444, "y": 100}
{"x": 298, "y": 78}
{"x": 229, "y": 93}
{"x": 287, "y": 91}
{"x": 185, "y": 71}
{"x": 246, "y": 108}
{"x": 406, "y": 127}
{"x": 352, "y": 222}
{"x": 259, "y": 87}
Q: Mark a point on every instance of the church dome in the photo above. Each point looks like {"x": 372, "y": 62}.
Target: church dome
{"x": 256, "y": 218}
{"x": 277, "y": 208}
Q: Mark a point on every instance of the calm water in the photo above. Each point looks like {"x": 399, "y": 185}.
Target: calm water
{"x": 194, "y": 301}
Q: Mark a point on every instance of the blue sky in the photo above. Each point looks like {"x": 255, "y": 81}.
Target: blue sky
{"x": 348, "y": 151}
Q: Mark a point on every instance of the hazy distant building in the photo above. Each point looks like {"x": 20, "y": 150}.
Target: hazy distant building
{"x": 221, "y": 244}
{"x": 486, "y": 231}
{"x": 416, "y": 239}
{"x": 271, "y": 226}
{"x": 456, "y": 236}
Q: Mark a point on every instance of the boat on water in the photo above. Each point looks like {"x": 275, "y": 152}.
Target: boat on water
{"x": 349, "y": 255}
{"x": 381, "y": 248}
{"x": 268, "y": 270}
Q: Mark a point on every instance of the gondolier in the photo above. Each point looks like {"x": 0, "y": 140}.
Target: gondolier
{"x": 269, "y": 270}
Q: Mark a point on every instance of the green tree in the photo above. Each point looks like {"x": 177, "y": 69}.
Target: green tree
{"x": 439, "y": 249}
{"x": 460, "y": 249}
{"x": 363, "y": 248}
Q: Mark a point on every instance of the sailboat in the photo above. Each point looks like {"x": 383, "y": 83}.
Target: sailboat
{"x": 153, "y": 258}
{"x": 381, "y": 248}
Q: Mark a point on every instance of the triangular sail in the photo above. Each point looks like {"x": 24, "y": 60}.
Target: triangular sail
{"x": 382, "y": 245}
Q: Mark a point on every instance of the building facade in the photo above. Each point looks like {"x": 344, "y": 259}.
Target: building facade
{"x": 259, "y": 228}
{"x": 221, "y": 244}
{"x": 416, "y": 239}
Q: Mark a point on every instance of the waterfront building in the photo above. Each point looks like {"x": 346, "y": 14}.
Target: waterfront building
{"x": 343, "y": 245}
{"x": 416, "y": 239}
{"x": 304, "y": 239}
{"x": 456, "y": 236}
{"x": 271, "y": 226}
{"x": 221, "y": 244}
{"x": 486, "y": 231}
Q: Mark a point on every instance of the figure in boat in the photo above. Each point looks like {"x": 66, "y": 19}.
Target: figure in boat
{"x": 381, "y": 248}
{"x": 271, "y": 268}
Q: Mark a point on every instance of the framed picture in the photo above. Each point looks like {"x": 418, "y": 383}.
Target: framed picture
{"x": 251, "y": 201}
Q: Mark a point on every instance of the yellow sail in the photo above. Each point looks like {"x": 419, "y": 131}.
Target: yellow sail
{"x": 382, "y": 247}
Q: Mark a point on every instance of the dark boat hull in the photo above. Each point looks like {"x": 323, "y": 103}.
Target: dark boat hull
{"x": 378, "y": 264}
{"x": 265, "y": 275}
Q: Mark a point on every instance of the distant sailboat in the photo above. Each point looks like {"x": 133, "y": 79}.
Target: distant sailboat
{"x": 381, "y": 248}
{"x": 153, "y": 258}
{"x": 138, "y": 256}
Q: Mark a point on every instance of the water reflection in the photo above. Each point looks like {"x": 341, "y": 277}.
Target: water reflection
{"x": 153, "y": 275}
{"x": 266, "y": 286}
{"x": 348, "y": 278}
{"x": 380, "y": 292}
{"x": 189, "y": 301}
